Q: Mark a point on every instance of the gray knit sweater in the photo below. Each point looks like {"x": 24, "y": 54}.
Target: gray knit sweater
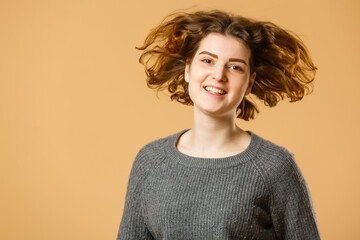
{"x": 259, "y": 193}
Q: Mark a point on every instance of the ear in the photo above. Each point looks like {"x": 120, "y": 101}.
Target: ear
{"x": 251, "y": 83}
{"x": 187, "y": 71}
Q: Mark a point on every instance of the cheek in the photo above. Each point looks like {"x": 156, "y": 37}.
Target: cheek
{"x": 197, "y": 76}
{"x": 241, "y": 88}
{"x": 195, "y": 86}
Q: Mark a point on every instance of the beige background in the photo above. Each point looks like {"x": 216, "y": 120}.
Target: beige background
{"x": 74, "y": 110}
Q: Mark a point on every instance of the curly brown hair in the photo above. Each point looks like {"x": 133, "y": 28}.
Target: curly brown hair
{"x": 280, "y": 59}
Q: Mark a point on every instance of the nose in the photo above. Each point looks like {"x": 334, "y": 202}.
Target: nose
{"x": 218, "y": 73}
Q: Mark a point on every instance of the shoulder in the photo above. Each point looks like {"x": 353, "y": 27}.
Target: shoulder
{"x": 280, "y": 172}
{"x": 154, "y": 152}
{"x": 270, "y": 149}
{"x": 274, "y": 161}
{"x": 290, "y": 206}
{"x": 158, "y": 146}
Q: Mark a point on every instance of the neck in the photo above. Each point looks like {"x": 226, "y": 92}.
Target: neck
{"x": 213, "y": 137}
{"x": 211, "y": 132}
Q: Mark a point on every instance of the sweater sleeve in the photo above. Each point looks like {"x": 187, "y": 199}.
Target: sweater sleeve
{"x": 291, "y": 206}
{"x": 132, "y": 226}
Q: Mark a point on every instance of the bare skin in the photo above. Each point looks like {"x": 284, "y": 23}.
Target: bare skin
{"x": 213, "y": 138}
{"x": 221, "y": 62}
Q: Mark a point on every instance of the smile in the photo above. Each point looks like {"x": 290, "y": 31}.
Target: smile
{"x": 214, "y": 90}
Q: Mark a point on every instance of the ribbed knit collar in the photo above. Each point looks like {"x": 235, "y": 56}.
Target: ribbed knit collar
{"x": 179, "y": 157}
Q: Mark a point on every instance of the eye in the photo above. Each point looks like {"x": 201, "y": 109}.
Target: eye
{"x": 206, "y": 60}
{"x": 236, "y": 68}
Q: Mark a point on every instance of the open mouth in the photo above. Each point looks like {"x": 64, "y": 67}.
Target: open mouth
{"x": 215, "y": 91}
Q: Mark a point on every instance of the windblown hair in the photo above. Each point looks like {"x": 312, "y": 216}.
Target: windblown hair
{"x": 280, "y": 59}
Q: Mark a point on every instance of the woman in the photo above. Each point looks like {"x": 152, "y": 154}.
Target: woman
{"x": 217, "y": 181}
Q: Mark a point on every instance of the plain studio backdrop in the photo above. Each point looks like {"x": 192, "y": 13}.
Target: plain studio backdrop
{"x": 75, "y": 109}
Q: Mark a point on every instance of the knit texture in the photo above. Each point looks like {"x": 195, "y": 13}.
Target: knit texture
{"x": 259, "y": 193}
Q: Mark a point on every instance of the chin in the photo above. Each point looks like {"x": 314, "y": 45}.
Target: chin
{"x": 213, "y": 112}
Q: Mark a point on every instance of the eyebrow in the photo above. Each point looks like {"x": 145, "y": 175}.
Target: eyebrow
{"x": 230, "y": 59}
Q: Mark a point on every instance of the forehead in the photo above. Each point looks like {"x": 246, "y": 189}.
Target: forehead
{"x": 224, "y": 46}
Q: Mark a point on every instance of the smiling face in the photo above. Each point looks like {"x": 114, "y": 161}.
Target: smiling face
{"x": 219, "y": 75}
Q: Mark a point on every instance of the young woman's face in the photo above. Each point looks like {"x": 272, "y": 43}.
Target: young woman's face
{"x": 219, "y": 75}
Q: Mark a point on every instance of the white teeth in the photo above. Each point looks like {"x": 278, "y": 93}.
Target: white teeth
{"x": 215, "y": 90}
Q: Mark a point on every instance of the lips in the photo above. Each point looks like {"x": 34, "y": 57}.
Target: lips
{"x": 215, "y": 90}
